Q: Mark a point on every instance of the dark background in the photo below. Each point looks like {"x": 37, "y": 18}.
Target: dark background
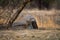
{"x": 40, "y": 4}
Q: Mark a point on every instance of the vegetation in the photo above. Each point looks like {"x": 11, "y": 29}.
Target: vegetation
{"x": 19, "y": 9}
{"x": 20, "y": 4}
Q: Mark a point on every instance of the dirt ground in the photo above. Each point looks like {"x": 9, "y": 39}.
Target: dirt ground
{"x": 29, "y": 34}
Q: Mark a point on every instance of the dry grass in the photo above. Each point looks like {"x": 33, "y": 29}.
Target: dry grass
{"x": 44, "y": 18}
{"x": 30, "y": 35}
